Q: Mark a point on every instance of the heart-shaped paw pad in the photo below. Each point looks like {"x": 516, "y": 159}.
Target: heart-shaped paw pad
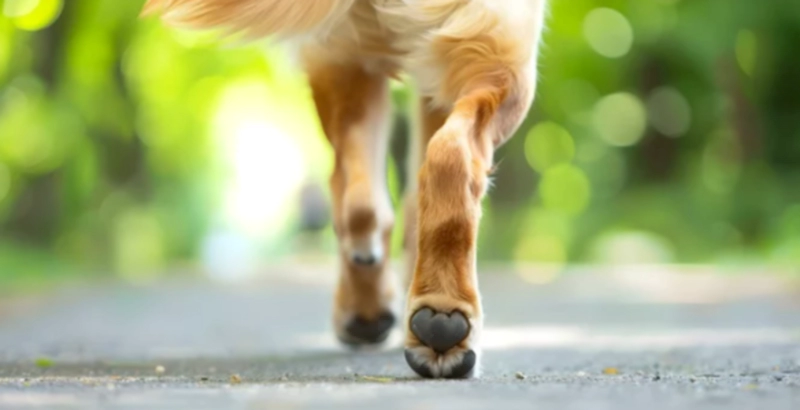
{"x": 439, "y": 331}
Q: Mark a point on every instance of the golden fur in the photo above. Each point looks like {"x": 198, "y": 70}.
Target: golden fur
{"x": 474, "y": 64}
{"x": 256, "y": 18}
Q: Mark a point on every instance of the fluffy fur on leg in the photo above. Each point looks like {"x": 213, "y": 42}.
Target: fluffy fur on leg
{"x": 253, "y": 18}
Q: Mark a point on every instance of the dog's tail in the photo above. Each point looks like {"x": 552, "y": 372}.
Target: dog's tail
{"x": 253, "y": 18}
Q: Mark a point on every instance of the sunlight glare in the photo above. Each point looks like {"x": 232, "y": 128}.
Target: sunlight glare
{"x": 268, "y": 170}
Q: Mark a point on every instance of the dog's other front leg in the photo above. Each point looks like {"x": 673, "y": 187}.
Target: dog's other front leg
{"x": 354, "y": 107}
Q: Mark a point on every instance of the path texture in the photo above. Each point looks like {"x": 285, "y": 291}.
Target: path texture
{"x": 635, "y": 338}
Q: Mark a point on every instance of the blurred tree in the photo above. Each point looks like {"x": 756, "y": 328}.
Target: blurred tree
{"x": 663, "y": 131}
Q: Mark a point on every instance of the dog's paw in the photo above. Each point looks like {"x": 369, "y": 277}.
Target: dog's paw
{"x": 442, "y": 342}
{"x": 357, "y": 331}
{"x": 365, "y": 293}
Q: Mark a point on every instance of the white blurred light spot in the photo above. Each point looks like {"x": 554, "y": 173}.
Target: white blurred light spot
{"x": 264, "y": 165}
{"x": 228, "y": 256}
{"x": 268, "y": 169}
{"x": 669, "y": 112}
{"x": 608, "y": 32}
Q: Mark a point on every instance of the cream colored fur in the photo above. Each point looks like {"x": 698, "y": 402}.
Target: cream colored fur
{"x": 254, "y": 18}
{"x": 393, "y": 34}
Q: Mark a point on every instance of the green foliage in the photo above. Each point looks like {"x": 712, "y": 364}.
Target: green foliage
{"x": 663, "y": 131}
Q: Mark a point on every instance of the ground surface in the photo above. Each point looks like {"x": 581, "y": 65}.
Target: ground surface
{"x": 642, "y": 338}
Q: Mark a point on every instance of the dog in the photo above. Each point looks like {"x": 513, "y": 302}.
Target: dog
{"x": 474, "y": 65}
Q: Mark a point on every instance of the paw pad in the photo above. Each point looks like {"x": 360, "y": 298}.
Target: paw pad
{"x": 439, "y": 331}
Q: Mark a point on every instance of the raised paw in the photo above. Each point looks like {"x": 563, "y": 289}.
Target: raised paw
{"x": 440, "y": 344}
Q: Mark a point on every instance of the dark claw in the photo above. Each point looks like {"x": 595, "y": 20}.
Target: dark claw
{"x": 462, "y": 370}
{"x": 421, "y": 369}
{"x": 465, "y": 368}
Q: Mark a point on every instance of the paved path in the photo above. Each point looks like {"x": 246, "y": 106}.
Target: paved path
{"x": 621, "y": 341}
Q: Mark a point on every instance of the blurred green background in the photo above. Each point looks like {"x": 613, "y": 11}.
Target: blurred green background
{"x": 664, "y": 131}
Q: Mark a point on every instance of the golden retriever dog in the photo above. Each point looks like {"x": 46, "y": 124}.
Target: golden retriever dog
{"x": 474, "y": 64}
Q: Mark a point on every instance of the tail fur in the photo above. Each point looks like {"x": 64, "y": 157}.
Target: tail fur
{"x": 253, "y": 18}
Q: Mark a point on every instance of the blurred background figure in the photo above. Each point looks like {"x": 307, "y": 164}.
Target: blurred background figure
{"x": 664, "y": 131}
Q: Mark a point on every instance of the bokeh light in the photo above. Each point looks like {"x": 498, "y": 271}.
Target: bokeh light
{"x": 18, "y": 8}
{"x": 669, "y": 111}
{"x": 33, "y": 15}
{"x": 545, "y": 244}
{"x": 653, "y": 19}
{"x": 620, "y": 119}
{"x": 722, "y": 162}
{"x": 607, "y": 183}
{"x": 542, "y": 249}
{"x": 608, "y": 32}
{"x": 266, "y": 164}
{"x": 577, "y": 98}
{"x": 747, "y": 51}
{"x": 547, "y": 145}
{"x": 34, "y": 145}
{"x": 206, "y": 146}
{"x": 139, "y": 244}
{"x": 566, "y": 188}
{"x": 627, "y": 247}
{"x": 5, "y": 182}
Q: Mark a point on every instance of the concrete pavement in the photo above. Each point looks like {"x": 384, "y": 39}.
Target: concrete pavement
{"x": 618, "y": 339}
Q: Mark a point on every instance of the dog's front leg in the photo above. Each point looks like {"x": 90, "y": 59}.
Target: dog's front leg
{"x": 444, "y": 314}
